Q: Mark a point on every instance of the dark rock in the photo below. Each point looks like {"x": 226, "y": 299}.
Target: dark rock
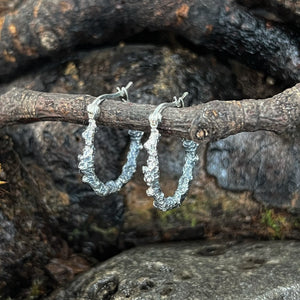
{"x": 253, "y": 270}
{"x": 261, "y": 162}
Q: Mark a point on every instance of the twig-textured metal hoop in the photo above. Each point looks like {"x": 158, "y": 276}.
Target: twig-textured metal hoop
{"x": 86, "y": 160}
{"x": 151, "y": 171}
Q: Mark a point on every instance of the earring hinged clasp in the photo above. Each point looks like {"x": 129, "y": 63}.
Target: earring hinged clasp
{"x": 156, "y": 116}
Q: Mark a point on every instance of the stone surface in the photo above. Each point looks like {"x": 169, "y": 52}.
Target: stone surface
{"x": 194, "y": 270}
{"x": 261, "y": 162}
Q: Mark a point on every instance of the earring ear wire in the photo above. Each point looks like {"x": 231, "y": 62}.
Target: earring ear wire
{"x": 87, "y": 158}
{"x": 151, "y": 170}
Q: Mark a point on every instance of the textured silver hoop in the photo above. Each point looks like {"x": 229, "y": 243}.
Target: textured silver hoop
{"x": 151, "y": 171}
{"x": 87, "y": 158}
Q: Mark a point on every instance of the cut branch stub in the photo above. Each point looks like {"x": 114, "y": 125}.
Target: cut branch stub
{"x": 219, "y": 119}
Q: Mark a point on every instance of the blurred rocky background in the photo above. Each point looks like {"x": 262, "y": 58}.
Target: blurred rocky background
{"x": 53, "y": 227}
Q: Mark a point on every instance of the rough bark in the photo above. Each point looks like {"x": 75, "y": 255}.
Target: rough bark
{"x": 40, "y": 28}
{"x": 206, "y": 122}
{"x": 276, "y": 10}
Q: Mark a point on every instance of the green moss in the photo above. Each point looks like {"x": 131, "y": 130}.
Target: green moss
{"x": 275, "y": 223}
{"x": 109, "y": 234}
{"x": 138, "y": 218}
{"x": 296, "y": 223}
{"x": 189, "y": 214}
{"x": 193, "y": 222}
{"x": 77, "y": 234}
{"x": 36, "y": 290}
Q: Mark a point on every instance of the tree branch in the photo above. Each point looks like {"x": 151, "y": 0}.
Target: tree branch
{"x": 42, "y": 28}
{"x": 288, "y": 10}
{"x": 205, "y": 122}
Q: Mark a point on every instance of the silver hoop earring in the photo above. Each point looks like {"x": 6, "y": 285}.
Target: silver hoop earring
{"x": 86, "y": 160}
{"x": 151, "y": 171}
